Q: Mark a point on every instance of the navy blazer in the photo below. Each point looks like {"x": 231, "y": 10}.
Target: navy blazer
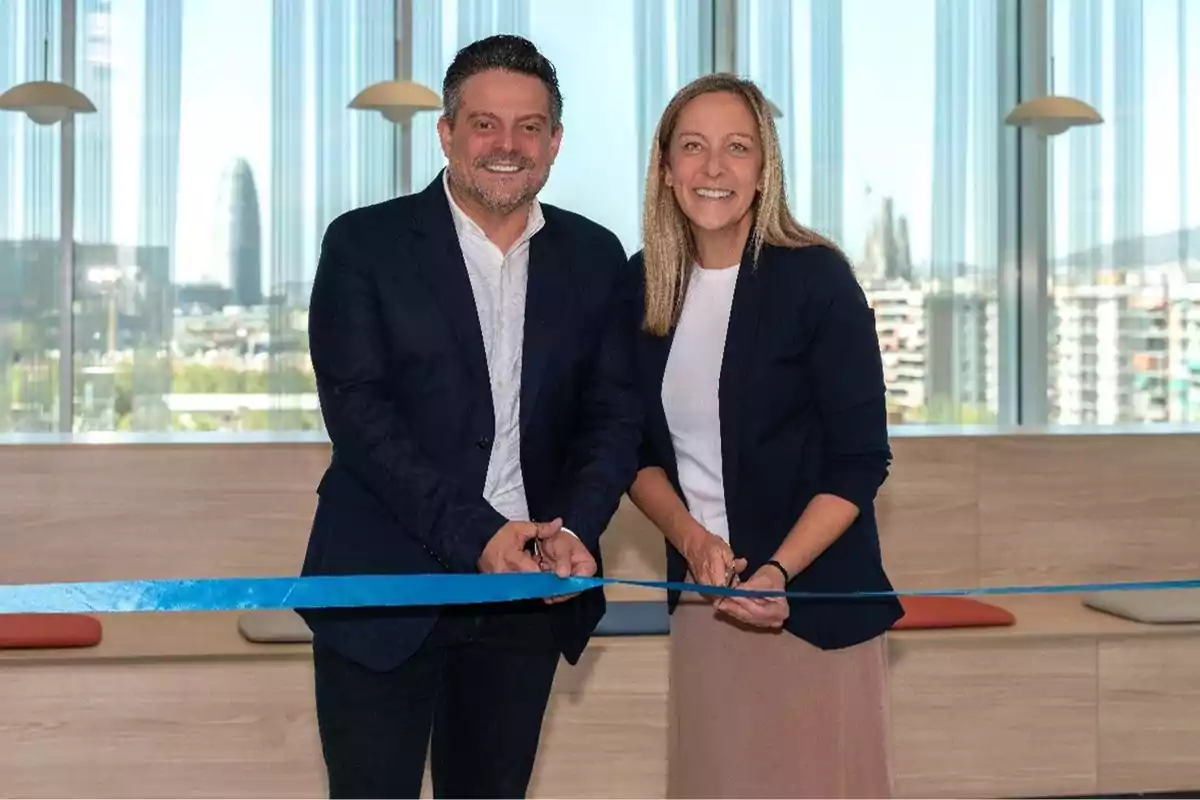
{"x": 404, "y": 390}
{"x": 802, "y": 413}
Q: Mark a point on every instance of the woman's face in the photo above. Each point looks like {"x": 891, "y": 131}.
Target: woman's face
{"x": 714, "y": 160}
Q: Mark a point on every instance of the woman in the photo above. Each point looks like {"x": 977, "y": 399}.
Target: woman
{"x": 765, "y": 444}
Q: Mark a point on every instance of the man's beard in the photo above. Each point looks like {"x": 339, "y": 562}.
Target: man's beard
{"x": 502, "y": 202}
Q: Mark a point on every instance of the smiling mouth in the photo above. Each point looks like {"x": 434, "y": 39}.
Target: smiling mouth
{"x": 714, "y": 194}
{"x": 503, "y": 169}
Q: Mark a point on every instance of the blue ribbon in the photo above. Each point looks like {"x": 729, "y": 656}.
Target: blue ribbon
{"x": 382, "y": 591}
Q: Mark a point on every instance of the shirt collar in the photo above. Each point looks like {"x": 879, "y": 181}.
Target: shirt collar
{"x": 465, "y": 226}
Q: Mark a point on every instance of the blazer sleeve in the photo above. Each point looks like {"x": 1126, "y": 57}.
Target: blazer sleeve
{"x": 851, "y": 396}
{"x": 369, "y": 433}
{"x": 647, "y": 455}
{"x": 604, "y": 450}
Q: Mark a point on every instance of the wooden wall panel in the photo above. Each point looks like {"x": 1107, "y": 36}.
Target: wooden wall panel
{"x": 928, "y": 514}
{"x": 955, "y": 511}
{"x": 1088, "y": 508}
{"x": 110, "y": 512}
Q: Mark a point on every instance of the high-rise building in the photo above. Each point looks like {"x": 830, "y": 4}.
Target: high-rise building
{"x": 238, "y": 238}
{"x": 886, "y": 255}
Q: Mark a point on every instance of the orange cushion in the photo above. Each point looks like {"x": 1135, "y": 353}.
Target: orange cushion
{"x": 31, "y": 631}
{"x": 926, "y": 612}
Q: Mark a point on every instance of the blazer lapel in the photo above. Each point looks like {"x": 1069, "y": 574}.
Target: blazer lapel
{"x": 441, "y": 264}
{"x": 548, "y": 306}
{"x": 739, "y": 348}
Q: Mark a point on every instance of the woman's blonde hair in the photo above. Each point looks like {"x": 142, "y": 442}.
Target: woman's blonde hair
{"x": 670, "y": 248}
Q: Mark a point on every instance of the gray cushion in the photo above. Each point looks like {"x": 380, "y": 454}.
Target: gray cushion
{"x": 274, "y": 626}
{"x": 628, "y": 618}
{"x": 635, "y": 618}
{"x": 1155, "y": 606}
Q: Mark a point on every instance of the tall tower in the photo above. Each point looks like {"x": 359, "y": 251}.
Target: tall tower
{"x": 238, "y": 237}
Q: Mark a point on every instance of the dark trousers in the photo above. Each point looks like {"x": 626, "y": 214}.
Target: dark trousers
{"x": 478, "y": 687}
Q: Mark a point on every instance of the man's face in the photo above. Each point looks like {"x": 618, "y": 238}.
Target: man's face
{"x": 501, "y": 143}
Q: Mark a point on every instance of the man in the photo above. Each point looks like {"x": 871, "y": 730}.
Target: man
{"x": 473, "y": 351}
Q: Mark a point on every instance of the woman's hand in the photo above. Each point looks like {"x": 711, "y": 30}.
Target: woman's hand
{"x": 711, "y": 560}
{"x": 760, "y": 612}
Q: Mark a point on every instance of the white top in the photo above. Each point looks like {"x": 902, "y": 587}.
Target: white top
{"x": 498, "y": 281}
{"x": 690, "y": 393}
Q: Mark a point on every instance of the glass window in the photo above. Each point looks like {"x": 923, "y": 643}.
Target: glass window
{"x": 1124, "y": 261}
{"x": 202, "y": 188}
{"x": 650, "y": 48}
{"x": 29, "y": 225}
{"x": 891, "y": 120}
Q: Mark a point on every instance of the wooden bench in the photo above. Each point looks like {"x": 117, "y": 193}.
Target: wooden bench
{"x": 176, "y": 705}
{"x": 1068, "y": 701}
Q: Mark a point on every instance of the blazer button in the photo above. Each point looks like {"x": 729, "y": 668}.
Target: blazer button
{"x": 484, "y": 444}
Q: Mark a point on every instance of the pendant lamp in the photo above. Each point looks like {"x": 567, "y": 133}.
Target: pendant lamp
{"x": 1053, "y": 114}
{"x": 46, "y": 102}
{"x": 397, "y": 101}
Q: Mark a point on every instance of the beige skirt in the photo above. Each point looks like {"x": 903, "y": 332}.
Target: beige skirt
{"x": 757, "y": 713}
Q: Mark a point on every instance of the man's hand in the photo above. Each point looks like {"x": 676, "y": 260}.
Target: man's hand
{"x": 563, "y": 554}
{"x": 505, "y": 551}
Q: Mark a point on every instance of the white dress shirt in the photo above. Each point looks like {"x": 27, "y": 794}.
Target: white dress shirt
{"x": 498, "y": 281}
{"x": 690, "y": 394}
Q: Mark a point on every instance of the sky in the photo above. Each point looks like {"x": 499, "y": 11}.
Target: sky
{"x": 888, "y": 48}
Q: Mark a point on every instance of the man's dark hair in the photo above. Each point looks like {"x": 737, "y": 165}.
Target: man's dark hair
{"x": 506, "y": 52}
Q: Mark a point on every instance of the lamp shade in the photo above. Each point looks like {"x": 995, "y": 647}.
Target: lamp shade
{"x": 396, "y": 100}
{"x": 46, "y": 102}
{"x": 1053, "y": 115}
{"x": 776, "y": 111}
